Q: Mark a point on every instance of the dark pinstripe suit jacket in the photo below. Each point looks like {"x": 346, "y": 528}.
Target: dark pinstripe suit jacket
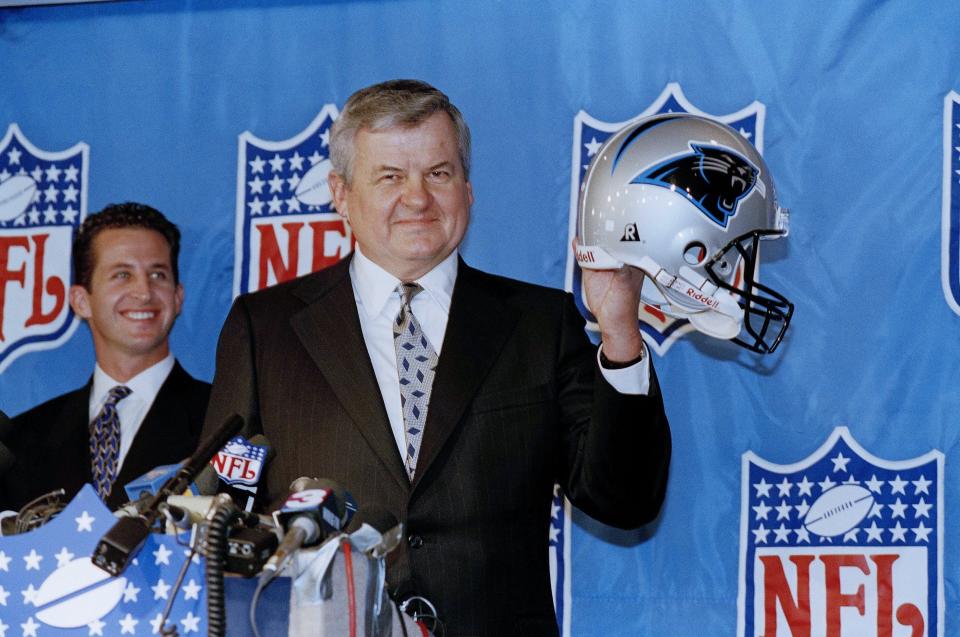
{"x": 51, "y": 441}
{"x": 517, "y": 404}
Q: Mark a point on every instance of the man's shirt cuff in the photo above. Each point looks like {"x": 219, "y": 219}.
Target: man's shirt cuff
{"x": 634, "y": 379}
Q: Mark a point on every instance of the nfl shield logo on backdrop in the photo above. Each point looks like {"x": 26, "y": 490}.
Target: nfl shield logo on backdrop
{"x": 841, "y": 543}
{"x": 286, "y": 225}
{"x": 659, "y": 331}
{"x": 43, "y": 199}
{"x": 950, "y": 249}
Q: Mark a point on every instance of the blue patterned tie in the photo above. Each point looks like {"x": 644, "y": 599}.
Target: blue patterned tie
{"x": 105, "y": 442}
{"x": 416, "y": 365}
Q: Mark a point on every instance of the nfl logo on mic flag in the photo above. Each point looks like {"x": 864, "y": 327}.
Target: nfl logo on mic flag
{"x": 43, "y": 199}
{"x": 286, "y": 225}
{"x": 842, "y": 543}
{"x": 49, "y": 585}
{"x": 240, "y": 462}
{"x": 589, "y": 134}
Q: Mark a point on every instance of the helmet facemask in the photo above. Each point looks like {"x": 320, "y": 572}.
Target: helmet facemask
{"x": 766, "y": 312}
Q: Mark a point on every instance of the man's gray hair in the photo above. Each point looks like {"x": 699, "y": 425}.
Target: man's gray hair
{"x": 405, "y": 103}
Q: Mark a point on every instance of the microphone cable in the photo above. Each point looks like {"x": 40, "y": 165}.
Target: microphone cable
{"x": 351, "y": 589}
{"x": 424, "y": 613}
{"x": 261, "y": 584}
{"x": 171, "y": 629}
{"x": 223, "y": 514}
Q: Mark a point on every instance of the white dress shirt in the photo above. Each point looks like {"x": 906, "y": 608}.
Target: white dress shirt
{"x": 378, "y": 302}
{"x": 144, "y": 388}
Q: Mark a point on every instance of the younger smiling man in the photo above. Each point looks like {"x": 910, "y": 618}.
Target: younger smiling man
{"x": 140, "y": 409}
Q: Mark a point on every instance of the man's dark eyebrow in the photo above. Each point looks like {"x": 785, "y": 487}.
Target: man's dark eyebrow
{"x": 126, "y": 265}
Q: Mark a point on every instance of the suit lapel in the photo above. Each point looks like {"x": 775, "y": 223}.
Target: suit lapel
{"x": 478, "y": 327}
{"x": 329, "y": 328}
{"x": 162, "y": 433}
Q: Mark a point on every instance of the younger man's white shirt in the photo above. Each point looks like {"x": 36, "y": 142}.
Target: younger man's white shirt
{"x": 144, "y": 388}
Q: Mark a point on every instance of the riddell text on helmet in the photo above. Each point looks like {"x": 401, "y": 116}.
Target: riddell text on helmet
{"x": 585, "y": 256}
{"x": 699, "y": 296}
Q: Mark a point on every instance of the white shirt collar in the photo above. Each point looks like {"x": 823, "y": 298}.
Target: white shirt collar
{"x": 376, "y": 287}
{"x": 144, "y": 386}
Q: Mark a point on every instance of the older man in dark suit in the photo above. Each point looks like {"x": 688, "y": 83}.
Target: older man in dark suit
{"x": 140, "y": 408}
{"x": 453, "y": 397}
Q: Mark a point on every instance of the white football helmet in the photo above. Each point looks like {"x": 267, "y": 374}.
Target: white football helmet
{"x": 687, "y": 200}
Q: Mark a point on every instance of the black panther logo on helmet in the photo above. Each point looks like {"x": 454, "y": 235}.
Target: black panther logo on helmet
{"x": 714, "y": 178}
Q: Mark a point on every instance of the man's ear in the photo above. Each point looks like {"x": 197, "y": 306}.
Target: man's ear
{"x": 178, "y": 299}
{"x": 338, "y": 190}
{"x": 80, "y": 301}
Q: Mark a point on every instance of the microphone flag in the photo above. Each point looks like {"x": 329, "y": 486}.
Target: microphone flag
{"x": 50, "y": 586}
{"x": 240, "y": 462}
{"x": 152, "y": 480}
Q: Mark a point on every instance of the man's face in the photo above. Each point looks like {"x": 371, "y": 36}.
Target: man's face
{"x": 132, "y": 300}
{"x": 409, "y": 203}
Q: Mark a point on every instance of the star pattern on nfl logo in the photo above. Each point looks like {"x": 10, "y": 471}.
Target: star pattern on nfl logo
{"x": 49, "y": 585}
{"x": 43, "y": 199}
{"x": 842, "y": 529}
{"x": 286, "y": 224}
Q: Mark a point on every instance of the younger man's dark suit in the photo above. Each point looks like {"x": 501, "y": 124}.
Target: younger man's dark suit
{"x": 517, "y": 404}
{"x": 51, "y": 442}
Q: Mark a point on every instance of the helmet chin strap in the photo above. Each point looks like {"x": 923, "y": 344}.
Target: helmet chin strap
{"x": 691, "y": 296}
{"x": 715, "y": 324}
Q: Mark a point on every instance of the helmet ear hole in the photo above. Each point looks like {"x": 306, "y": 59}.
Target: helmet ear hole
{"x": 695, "y": 253}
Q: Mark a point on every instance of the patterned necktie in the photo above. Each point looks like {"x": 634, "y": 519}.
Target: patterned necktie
{"x": 416, "y": 365}
{"x": 105, "y": 442}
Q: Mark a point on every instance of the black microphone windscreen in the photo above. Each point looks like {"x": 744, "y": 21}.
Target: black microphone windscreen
{"x": 208, "y": 480}
{"x": 212, "y": 443}
{"x": 339, "y": 493}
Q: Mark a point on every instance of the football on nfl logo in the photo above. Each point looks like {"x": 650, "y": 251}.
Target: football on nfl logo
{"x": 841, "y": 543}
{"x": 286, "y": 225}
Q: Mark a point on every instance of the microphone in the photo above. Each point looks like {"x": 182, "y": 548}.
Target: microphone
{"x": 140, "y": 489}
{"x": 118, "y": 545}
{"x": 313, "y": 510}
{"x": 237, "y": 469}
{"x": 240, "y": 461}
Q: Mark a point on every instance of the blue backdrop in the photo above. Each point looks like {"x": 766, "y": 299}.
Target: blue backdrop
{"x": 858, "y": 127}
